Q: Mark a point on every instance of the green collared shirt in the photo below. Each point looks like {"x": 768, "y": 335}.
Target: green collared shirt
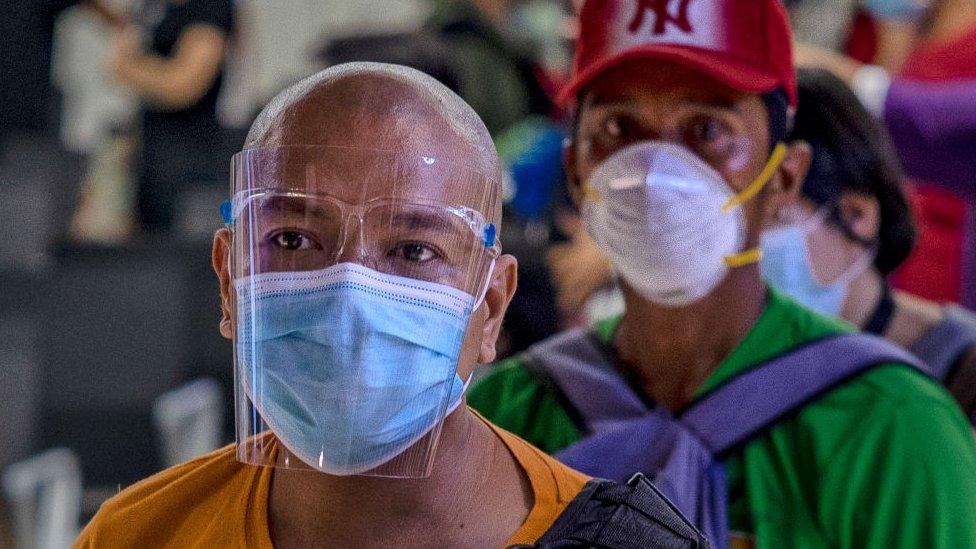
{"x": 885, "y": 460}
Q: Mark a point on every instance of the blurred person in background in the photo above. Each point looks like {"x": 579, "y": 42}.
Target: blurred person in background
{"x": 32, "y": 155}
{"x": 174, "y": 64}
{"x": 498, "y": 48}
{"x": 354, "y": 347}
{"x": 504, "y": 58}
{"x": 929, "y": 109}
{"x": 851, "y": 228}
{"x": 823, "y": 23}
{"x": 6, "y": 528}
{"x": 496, "y": 66}
{"x": 881, "y": 30}
{"x": 679, "y": 158}
{"x": 28, "y": 101}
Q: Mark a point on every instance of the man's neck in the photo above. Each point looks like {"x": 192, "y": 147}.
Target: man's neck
{"x": 476, "y": 496}
{"x": 674, "y": 350}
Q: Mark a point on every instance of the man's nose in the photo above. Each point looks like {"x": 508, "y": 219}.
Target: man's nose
{"x": 353, "y": 247}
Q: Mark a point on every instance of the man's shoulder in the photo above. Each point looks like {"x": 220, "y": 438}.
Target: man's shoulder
{"x": 566, "y": 481}
{"x": 892, "y": 409}
{"x": 507, "y": 375}
{"x": 154, "y": 511}
{"x": 513, "y": 397}
{"x": 801, "y": 323}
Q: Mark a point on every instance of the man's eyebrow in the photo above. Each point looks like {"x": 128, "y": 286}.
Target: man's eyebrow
{"x": 724, "y": 103}
{"x": 600, "y": 102}
{"x": 293, "y": 205}
{"x": 420, "y": 220}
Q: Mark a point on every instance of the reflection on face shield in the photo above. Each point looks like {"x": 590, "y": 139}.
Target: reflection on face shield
{"x": 670, "y": 224}
{"x": 424, "y": 241}
{"x": 352, "y": 307}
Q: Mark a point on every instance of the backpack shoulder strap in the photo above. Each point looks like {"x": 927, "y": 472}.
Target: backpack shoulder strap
{"x": 941, "y": 346}
{"x": 750, "y": 403}
{"x": 584, "y": 377}
{"x": 621, "y": 516}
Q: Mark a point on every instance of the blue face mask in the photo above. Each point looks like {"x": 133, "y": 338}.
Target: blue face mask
{"x": 350, "y": 367}
{"x": 786, "y": 266}
{"x": 896, "y": 10}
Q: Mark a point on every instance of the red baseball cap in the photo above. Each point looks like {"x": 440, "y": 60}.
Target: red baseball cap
{"x": 746, "y": 44}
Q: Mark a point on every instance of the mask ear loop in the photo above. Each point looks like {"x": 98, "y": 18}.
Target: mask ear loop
{"x": 481, "y": 298}
{"x": 818, "y": 219}
{"x": 863, "y": 263}
{"x": 858, "y": 267}
{"x": 750, "y": 192}
{"x": 484, "y": 287}
{"x": 753, "y": 255}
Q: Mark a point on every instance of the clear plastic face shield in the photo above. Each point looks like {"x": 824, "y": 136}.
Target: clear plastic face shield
{"x": 355, "y": 273}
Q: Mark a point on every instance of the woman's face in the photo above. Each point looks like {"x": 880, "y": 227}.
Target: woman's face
{"x": 831, "y": 252}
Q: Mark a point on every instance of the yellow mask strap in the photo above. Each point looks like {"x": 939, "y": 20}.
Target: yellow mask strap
{"x": 589, "y": 193}
{"x": 753, "y": 255}
{"x": 742, "y": 259}
{"x": 750, "y": 192}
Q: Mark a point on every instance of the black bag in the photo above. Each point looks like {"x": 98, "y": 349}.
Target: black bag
{"x": 609, "y": 515}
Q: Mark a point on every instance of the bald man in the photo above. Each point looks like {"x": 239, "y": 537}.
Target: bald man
{"x": 362, "y": 281}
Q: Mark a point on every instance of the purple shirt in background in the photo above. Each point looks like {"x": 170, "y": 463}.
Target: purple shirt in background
{"x": 933, "y": 126}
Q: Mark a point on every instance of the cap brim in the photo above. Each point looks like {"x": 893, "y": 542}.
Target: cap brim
{"x": 737, "y": 75}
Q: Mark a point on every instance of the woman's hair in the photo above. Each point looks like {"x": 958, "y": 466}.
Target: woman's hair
{"x": 852, "y": 152}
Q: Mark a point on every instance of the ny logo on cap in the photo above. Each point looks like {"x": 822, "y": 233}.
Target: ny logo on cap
{"x": 663, "y": 15}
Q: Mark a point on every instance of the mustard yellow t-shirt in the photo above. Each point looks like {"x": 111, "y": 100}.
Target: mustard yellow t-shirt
{"x": 216, "y": 501}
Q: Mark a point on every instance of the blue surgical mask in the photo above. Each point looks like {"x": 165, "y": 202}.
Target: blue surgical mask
{"x": 896, "y": 10}
{"x": 786, "y": 266}
{"x": 349, "y": 367}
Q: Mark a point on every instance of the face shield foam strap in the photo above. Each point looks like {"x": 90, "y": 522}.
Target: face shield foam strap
{"x": 753, "y": 255}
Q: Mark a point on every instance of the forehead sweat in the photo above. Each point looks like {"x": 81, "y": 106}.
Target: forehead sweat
{"x": 382, "y": 107}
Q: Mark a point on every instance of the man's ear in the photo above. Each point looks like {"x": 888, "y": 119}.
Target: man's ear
{"x": 220, "y": 256}
{"x": 572, "y": 175}
{"x": 501, "y": 289}
{"x": 861, "y": 214}
{"x": 784, "y": 189}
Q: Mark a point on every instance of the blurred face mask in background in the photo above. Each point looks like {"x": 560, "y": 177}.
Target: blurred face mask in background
{"x": 896, "y": 10}
{"x": 669, "y": 223}
{"x": 787, "y": 266}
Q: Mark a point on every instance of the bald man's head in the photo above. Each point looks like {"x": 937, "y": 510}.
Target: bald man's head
{"x": 377, "y": 106}
{"x": 355, "y": 165}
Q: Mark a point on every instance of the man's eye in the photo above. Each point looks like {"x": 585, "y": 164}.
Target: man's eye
{"x": 416, "y": 253}
{"x": 618, "y": 126}
{"x": 293, "y": 240}
{"x": 707, "y": 131}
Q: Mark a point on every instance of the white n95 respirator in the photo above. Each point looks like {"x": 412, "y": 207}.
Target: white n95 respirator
{"x": 669, "y": 223}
